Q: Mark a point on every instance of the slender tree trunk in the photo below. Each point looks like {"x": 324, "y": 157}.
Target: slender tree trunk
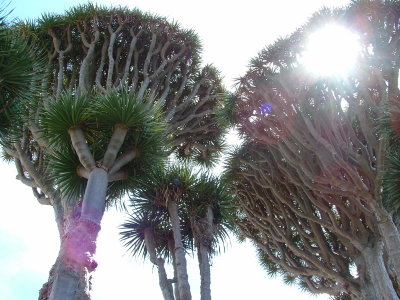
{"x": 377, "y": 284}
{"x": 205, "y": 272}
{"x": 204, "y": 236}
{"x": 165, "y": 284}
{"x": 171, "y": 247}
{"x": 181, "y": 268}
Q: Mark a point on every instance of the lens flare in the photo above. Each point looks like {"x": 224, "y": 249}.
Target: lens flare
{"x": 265, "y": 108}
{"x": 332, "y": 50}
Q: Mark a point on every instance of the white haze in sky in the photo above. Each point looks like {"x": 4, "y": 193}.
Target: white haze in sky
{"x": 232, "y": 32}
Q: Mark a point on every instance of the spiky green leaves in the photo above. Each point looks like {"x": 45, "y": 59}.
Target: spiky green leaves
{"x": 63, "y": 166}
{"x": 391, "y": 182}
{"x": 122, "y": 107}
{"x": 20, "y": 67}
{"x": 63, "y": 113}
{"x": 133, "y": 231}
{"x": 97, "y": 116}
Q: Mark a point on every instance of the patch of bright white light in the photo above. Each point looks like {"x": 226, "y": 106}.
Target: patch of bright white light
{"x": 332, "y": 50}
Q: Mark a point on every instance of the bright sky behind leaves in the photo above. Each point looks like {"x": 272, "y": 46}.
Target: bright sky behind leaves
{"x": 232, "y": 33}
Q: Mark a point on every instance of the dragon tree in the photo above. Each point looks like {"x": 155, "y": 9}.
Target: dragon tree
{"x": 121, "y": 91}
{"x": 176, "y": 211}
{"x": 316, "y": 175}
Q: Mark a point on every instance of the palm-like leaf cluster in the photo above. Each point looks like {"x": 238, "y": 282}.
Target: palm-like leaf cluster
{"x": 194, "y": 193}
{"x": 21, "y": 70}
{"x": 96, "y": 115}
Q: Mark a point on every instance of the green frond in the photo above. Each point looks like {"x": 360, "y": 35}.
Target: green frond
{"x": 132, "y": 232}
{"x": 122, "y": 107}
{"x": 270, "y": 267}
{"x": 391, "y": 182}
{"x": 226, "y": 111}
{"x": 11, "y": 123}
{"x": 21, "y": 66}
{"x": 50, "y": 20}
{"x": 62, "y": 113}
{"x": 174, "y": 177}
{"x": 63, "y": 165}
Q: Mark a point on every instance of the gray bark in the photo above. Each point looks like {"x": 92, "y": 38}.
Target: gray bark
{"x": 66, "y": 281}
{"x": 165, "y": 284}
{"x": 183, "y": 281}
{"x": 391, "y": 238}
{"x": 171, "y": 247}
{"x": 205, "y": 272}
{"x": 377, "y": 284}
{"x": 204, "y": 238}
{"x": 69, "y": 283}
{"x": 95, "y": 196}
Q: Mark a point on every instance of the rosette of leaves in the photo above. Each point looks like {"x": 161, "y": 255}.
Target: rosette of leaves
{"x": 117, "y": 127}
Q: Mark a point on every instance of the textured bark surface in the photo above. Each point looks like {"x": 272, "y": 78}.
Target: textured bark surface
{"x": 205, "y": 272}
{"x": 66, "y": 279}
{"x": 309, "y": 176}
{"x": 165, "y": 284}
{"x": 381, "y": 286}
{"x": 391, "y": 237}
{"x": 66, "y": 283}
{"x": 181, "y": 268}
{"x": 203, "y": 233}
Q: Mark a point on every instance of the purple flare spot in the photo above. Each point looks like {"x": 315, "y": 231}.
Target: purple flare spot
{"x": 265, "y": 108}
{"x": 176, "y": 181}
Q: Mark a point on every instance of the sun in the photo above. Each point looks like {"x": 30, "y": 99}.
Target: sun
{"x": 332, "y": 50}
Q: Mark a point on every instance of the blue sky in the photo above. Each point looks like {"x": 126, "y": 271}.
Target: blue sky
{"x": 28, "y": 235}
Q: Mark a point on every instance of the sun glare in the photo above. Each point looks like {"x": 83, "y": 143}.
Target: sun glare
{"x": 332, "y": 50}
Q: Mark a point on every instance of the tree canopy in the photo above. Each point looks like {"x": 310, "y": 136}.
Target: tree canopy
{"x": 309, "y": 174}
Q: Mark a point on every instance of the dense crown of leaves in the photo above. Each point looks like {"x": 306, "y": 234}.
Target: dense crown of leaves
{"x": 308, "y": 177}
{"x": 92, "y": 48}
{"x": 21, "y": 67}
{"x": 96, "y": 116}
{"x": 194, "y": 192}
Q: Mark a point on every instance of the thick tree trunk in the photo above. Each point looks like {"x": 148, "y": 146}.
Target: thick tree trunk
{"x": 391, "y": 238}
{"x": 95, "y": 196}
{"x": 181, "y": 268}
{"x": 66, "y": 283}
{"x": 376, "y": 284}
{"x": 69, "y": 282}
{"x": 65, "y": 280}
{"x": 69, "y": 279}
{"x": 205, "y": 272}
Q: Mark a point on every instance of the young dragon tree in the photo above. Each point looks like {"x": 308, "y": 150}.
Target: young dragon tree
{"x": 166, "y": 189}
{"x": 95, "y": 51}
{"x": 204, "y": 216}
{"x": 210, "y": 212}
{"x": 146, "y": 233}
